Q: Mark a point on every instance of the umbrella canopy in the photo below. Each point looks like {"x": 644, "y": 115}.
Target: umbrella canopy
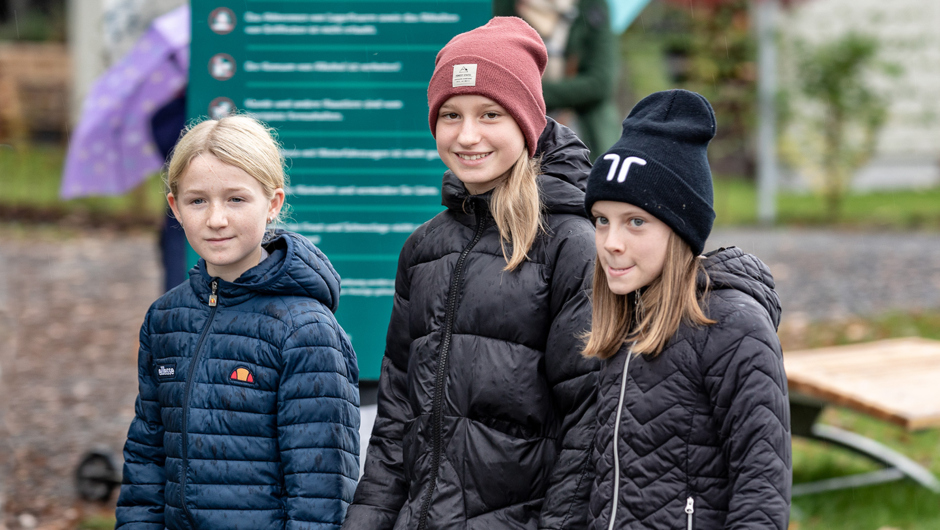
{"x": 112, "y": 149}
{"x": 624, "y": 12}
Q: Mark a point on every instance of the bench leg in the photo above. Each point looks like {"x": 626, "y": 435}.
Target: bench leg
{"x": 898, "y": 465}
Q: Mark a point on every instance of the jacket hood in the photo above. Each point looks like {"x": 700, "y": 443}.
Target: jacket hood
{"x": 294, "y": 267}
{"x": 732, "y": 268}
{"x": 565, "y": 164}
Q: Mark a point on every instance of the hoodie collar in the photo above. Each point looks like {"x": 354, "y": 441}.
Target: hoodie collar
{"x": 732, "y": 268}
{"x": 295, "y": 266}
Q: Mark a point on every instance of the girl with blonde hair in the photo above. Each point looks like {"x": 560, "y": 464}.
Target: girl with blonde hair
{"x": 693, "y": 417}
{"x": 485, "y": 407}
{"x": 248, "y": 411}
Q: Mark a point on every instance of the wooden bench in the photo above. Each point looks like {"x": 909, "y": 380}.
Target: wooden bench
{"x": 896, "y": 380}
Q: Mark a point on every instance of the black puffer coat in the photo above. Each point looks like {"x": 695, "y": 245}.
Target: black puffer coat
{"x": 486, "y": 407}
{"x": 703, "y": 433}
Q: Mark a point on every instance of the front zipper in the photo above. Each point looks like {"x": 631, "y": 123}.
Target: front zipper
{"x": 623, "y": 387}
{"x": 689, "y": 510}
{"x": 213, "y": 303}
{"x": 437, "y": 410}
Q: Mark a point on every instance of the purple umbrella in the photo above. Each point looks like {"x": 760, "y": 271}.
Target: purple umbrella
{"x": 112, "y": 149}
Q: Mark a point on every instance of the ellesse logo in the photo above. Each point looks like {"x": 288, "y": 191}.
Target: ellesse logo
{"x": 166, "y": 371}
{"x": 242, "y": 375}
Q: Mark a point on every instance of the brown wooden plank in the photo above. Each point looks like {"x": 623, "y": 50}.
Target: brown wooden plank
{"x": 897, "y": 380}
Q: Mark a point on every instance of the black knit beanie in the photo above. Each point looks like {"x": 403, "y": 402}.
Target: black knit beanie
{"x": 660, "y": 164}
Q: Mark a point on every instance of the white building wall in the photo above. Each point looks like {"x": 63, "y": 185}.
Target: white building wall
{"x": 908, "y": 152}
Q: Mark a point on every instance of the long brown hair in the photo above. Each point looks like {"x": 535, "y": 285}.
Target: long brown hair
{"x": 652, "y": 318}
{"x": 517, "y": 209}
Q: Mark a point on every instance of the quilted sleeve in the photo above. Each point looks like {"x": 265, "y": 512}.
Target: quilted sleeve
{"x": 383, "y": 489}
{"x": 318, "y": 422}
{"x": 141, "y": 502}
{"x": 748, "y": 391}
{"x": 572, "y": 377}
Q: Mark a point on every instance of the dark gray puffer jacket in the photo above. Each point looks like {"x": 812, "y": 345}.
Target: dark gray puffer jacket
{"x": 703, "y": 437}
{"x": 485, "y": 407}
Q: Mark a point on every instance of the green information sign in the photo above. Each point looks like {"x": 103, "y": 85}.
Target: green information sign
{"x": 345, "y": 85}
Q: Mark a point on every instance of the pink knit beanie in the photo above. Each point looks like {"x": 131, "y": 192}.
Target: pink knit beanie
{"x": 503, "y": 61}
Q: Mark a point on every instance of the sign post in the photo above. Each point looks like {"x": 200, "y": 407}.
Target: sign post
{"x": 345, "y": 85}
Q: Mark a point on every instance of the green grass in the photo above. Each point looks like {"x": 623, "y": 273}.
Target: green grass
{"x": 29, "y": 189}
{"x": 903, "y": 504}
{"x": 736, "y": 205}
{"x": 30, "y": 178}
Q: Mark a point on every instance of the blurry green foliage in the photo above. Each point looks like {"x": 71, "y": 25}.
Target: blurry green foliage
{"x": 833, "y": 113}
{"x": 37, "y": 23}
{"x": 707, "y": 48}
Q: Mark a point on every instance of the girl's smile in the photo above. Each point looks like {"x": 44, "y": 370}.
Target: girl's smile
{"x": 470, "y": 158}
{"x": 611, "y": 271}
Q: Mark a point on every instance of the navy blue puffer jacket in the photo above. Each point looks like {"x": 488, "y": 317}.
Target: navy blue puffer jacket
{"x": 248, "y": 412}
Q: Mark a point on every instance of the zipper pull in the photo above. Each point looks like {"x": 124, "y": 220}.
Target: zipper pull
{"x": 689, "y": 509}
{"x": 214, "y": 297}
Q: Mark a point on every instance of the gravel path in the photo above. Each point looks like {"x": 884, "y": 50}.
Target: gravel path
{"x": 829, "y": 275}
{"x": 71, "y": 307}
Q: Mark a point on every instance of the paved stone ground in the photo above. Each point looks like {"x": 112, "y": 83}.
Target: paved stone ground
{"x": 71, "y": 306}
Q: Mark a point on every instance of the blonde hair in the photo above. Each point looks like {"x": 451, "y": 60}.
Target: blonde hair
{"x": 652, "y": 318}
{"x": 517, "y": 210}
{"x": 238, "y": 141}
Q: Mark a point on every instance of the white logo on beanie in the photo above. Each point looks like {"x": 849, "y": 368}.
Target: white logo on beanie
{"x": 465, "y": 75}
{"x": 627, "y": 162}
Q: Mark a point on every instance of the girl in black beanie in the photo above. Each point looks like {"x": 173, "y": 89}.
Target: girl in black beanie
{"x": 693, "y": 417}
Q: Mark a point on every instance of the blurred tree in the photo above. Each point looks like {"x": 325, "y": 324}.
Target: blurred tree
{"x": 832, "y": 116}
{"x": 32, "y": 20}
{"x": 710, "y": 49}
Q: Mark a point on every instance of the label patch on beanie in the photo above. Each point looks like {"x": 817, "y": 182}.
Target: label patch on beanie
{"x": 465, "y": 75}
{"x": 624, "y": 168}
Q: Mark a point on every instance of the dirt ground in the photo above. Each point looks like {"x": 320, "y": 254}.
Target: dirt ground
{"x": 72, "y": 301}
{"x": 70, "y": 308}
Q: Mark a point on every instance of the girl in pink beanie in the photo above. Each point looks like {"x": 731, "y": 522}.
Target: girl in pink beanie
{"x": 486, "y": 407}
